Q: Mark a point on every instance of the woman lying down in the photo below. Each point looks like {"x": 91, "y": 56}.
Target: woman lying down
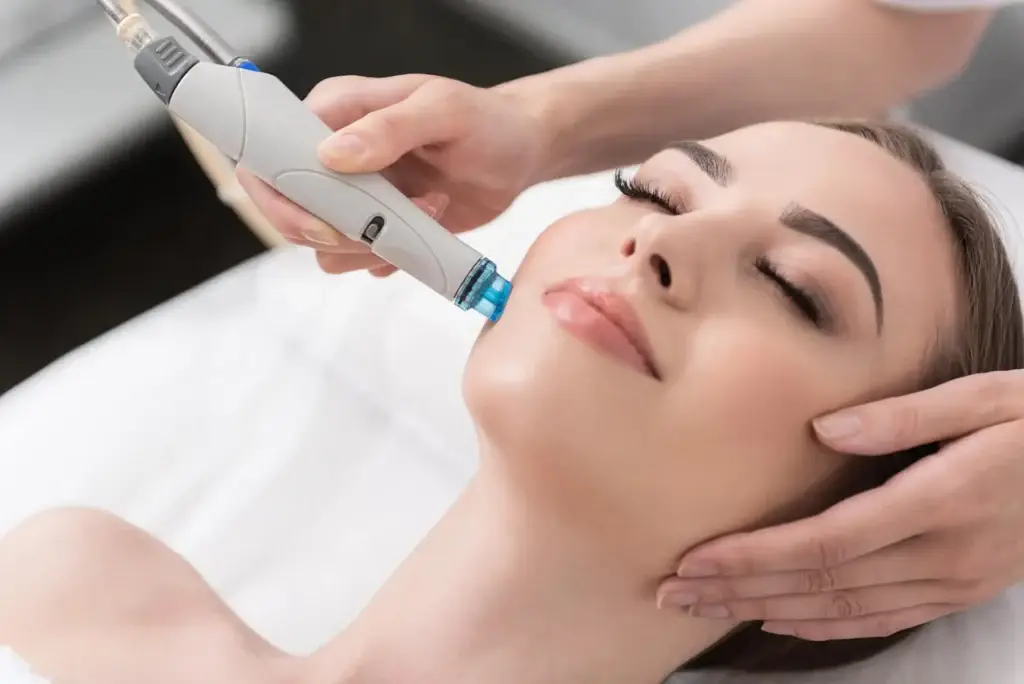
{"x": 650, "y": 386}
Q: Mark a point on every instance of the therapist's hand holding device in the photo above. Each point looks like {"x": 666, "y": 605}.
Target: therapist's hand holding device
{"x": 256, "y": 121}
{"x": 462, "y": 153}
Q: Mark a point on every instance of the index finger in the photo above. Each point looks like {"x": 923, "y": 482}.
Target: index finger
{"x": 343, "y": 100}
{"x": 852, "y": 528}
{"x": 950, "y": 410}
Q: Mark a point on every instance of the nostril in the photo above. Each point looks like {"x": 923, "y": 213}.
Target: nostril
{"x": 629, "y": 248}
{"x": 660, "y": 267}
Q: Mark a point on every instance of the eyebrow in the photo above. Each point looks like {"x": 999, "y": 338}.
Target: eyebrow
{"x": 707, "y": 160}
{"x": 798, "y": 218}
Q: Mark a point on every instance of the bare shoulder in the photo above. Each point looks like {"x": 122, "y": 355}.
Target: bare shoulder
{"x": 80, "y": 564}
{"x": 81, "y": 588}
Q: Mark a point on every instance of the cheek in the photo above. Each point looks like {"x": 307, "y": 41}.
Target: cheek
{"x": 739, "y": 419}
{"x": 737, "y": 371}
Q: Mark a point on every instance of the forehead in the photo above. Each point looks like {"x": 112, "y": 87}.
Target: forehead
{"x": 882, "y": 202}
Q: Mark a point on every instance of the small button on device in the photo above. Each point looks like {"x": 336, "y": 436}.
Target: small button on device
{"x": 372, "y": 229}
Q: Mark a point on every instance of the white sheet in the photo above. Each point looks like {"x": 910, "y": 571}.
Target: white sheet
{"x": 294, "y": 435}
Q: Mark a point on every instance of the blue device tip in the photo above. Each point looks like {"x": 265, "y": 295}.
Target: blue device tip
{"x": 493, "y": 299}
{"x": 484, "y": 291}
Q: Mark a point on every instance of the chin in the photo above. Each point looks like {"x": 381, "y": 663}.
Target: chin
{"x": 534, "y": 390}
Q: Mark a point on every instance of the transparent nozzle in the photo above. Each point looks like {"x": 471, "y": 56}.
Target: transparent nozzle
{"x": 484, "y": 291}
{"x": 135, "y": 33}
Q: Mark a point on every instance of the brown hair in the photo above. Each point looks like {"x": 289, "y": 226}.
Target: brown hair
{"x": 988, "y": 336}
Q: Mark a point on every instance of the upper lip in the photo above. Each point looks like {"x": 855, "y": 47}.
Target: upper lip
{"x": 602, "y": 296}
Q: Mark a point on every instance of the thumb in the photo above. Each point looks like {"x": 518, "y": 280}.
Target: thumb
{"x": 429, "y": 116}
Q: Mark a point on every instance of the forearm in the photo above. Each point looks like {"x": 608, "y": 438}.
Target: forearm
{"x": 759, "y": 60}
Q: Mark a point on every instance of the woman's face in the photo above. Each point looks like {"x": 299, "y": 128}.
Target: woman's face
{"x": 774, "y": 274}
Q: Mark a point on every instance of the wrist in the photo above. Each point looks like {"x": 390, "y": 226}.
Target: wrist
{"x": 599, "y": 113}
{"x": 549, "y": 119}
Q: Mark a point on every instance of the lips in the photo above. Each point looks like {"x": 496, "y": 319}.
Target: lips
{"x": 591, "y": 310}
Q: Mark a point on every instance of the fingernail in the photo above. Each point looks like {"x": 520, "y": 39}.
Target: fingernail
{"x": 439, "y": 204}
{"x": 320, "y": 235}
{"x": 710, "y": 611}
{"x": 679, "y": 600}
{"x": 838, "y": 426}
{"x": 697, "y": 569}
{"x": 345, "y": 148}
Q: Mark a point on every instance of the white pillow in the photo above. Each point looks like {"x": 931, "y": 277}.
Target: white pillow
{"x": 294, "y": 435}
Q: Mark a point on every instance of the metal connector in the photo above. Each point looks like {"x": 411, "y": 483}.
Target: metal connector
{"x": 114, "y": 10}
{"x": 197, "y": 30}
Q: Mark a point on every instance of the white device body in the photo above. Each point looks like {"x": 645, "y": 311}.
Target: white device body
{"x": 254, "y": 119}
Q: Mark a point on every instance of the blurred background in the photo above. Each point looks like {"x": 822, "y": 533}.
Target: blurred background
{"x": 104, "y": 213}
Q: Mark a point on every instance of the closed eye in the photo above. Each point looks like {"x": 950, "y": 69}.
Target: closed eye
{"x": 645, "y": 192}
{"x": 805, "y": 303}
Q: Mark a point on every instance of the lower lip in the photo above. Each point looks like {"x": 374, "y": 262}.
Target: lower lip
{"x": 590, "y": 325}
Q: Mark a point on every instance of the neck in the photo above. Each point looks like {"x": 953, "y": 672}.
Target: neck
{"x": 507, "y": 591}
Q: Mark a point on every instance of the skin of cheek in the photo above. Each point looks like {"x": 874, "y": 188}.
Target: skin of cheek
{"x": 725, "y": 440}
{"x": 735, "y": 427}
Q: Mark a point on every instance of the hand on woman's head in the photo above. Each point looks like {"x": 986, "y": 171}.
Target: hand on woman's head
{"x": 777, "y": 274}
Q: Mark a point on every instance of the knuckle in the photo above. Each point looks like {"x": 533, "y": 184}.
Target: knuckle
{"x": 331, "y": 88}
{"x": 828, "y": 553}
{"x": 453, "y": 93}
{"x": 817, "y": 581}
{"x": 327, "y": 91}
{"x": 906, "y": 421}
{"x": 335, "y": 100}
{"x": 446, "y": 87}
{"x": 385, "y": 125}
{"x": 457, "y": 99}
{"x": 844, "y": 605}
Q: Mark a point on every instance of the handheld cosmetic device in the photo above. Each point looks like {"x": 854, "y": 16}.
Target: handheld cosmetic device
{"x": 256, "y": 121}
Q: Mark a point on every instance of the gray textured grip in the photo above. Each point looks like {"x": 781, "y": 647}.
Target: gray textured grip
{"x": 253, "y": 118}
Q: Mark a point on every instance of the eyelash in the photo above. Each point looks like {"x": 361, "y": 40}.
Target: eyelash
{"x": 645, "y": 192}
{"x": 805, "y": 304}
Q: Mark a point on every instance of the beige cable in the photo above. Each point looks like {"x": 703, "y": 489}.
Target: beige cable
{"x": 221, "y": 173}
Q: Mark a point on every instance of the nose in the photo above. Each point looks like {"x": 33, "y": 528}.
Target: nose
{"x": 666, "y": 258}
